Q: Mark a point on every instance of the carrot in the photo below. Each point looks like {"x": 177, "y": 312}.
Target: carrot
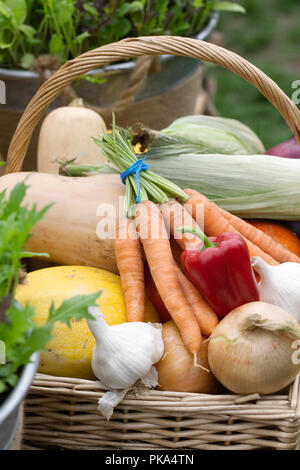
{"x": 175, "y": 215}
{"x": 216, "y": 223}
{"x": 253, "y": 234}
{"x": 266, "y": 243}
{"x": 205, "y": 315}
{"x": 176, "y": 250}
{"x": 154, "y": 237}
{"x": 128, "y": 250}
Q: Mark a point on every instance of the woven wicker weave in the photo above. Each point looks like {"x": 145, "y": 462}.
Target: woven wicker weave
{"x": 62, "y": 412}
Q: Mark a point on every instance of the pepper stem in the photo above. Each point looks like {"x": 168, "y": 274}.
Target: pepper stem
{"x": 195, "y": 231}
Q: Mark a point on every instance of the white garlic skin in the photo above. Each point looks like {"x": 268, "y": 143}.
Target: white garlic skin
{"x": 124, "y": 353}
{"x": 279, "y": 285}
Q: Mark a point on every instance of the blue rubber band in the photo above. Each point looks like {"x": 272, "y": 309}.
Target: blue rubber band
{"x": 136, "y": 168}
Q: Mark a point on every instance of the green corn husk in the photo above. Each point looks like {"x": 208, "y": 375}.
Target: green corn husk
{"x": 252, "y": 186}
{"x": 199, "y": 134}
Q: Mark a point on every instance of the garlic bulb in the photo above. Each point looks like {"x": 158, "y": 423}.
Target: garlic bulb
{"x": 279, "y": 285}
{"x": 124, "y": 353}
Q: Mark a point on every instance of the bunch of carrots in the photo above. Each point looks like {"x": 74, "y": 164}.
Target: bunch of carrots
{"x": 188, "y": 309}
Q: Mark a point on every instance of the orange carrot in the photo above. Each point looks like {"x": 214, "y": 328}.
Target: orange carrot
{"x": 216, "y": 223}
{"x": 158, "y": 252}
{"x": 265, "y": 243}
{"x": 176, "y": 250}
{"x": 175, "y": 215}
{"x": 128, "y": 250}
{"x": 205, "y": 315}
{"x": 253, "y": 234}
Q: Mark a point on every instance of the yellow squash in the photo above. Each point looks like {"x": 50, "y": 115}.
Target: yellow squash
{"x": 69, "y": 353}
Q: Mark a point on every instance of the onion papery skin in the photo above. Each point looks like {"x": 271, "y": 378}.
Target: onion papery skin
{"x": 176, "y": 371}
{"x": 254, "y": 360}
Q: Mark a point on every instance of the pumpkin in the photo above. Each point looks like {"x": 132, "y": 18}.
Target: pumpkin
{"x": 69, "y": 353}
{"x": 80, "y": 226}
{"x": 279, "y": 233}
{"x": 67, "y": 133}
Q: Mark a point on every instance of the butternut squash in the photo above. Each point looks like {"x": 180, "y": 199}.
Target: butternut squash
{"x": 67, "y": 133}
{"x": 70, "y": 232}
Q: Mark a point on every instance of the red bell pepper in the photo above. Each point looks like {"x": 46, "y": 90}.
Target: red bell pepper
{"x": 221, "y": 269}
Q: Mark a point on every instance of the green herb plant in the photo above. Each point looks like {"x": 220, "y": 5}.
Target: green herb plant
{"x": 66, "y": 28}
{"x": 21, "y": 336}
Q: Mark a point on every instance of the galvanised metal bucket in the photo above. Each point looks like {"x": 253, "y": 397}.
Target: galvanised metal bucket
{"x": 177, "y": 76}
{"x": 21, "y": 85}
{"x": 10, "y": 408}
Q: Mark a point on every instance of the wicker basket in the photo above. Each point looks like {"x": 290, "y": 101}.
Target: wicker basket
{"x": 62, "y": 412}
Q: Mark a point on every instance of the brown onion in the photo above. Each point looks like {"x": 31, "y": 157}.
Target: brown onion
{"x": 254, "y": 349}
{"x": 176, "y": 371}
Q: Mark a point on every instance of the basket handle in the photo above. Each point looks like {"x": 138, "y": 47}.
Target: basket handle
{"x": 135, "y": 47}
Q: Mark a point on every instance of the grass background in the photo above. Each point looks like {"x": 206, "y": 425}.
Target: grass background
{"x": 268, "y": 35}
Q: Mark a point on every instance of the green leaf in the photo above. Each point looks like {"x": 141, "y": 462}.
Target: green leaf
{"x": 65, "y": 13}
{"x": 30, "y": 36}
{"x": 22, "y": 337}
{"x": 124, "y": 9}
{"x": 6, "y": 370}
{"x": 136, "y": 7}
{"x": 20, "y": 322}
{"x": 37, "y": 340}
{"x": 6, "y": 43}
{"x": 161, "y": 7}
{"x": 123, "y": 26}
{"x": 73, "y": 308}
{"x": 229, "y": 6}
{"x": 12, "y": 380}
{"x": 81, "y": 37}
{"x": 198, "y": 3}
{"x": 90, "y": 9}
{"x": 16, "y": 197}
{"x": 2, "y": 386}
{"x": 27, "y": 60}
{"x": 182, "y": 27}
{"x": 29, "y": 31}
{"x": 5, "y": 11}
{"x": 92, "y": 79}
{"x": 30, "y": 254}
{"x": 19, "y": 10}
{"x": 16, "y": 223}
{"x": 56, "y": 45}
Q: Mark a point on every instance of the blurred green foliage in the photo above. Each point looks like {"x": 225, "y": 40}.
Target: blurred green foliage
{"x": 66, "y": 28}
{"x": 268, "y": 36}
